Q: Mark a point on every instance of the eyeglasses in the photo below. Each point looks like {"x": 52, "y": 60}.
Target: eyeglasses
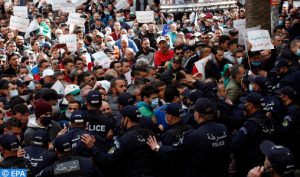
{"x": 29, "y": 62}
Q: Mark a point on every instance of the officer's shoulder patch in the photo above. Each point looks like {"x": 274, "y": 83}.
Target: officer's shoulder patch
{"x": 66, "y": 167}
{"x": 111, "y": 150}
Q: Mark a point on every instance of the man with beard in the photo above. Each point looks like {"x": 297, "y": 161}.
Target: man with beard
{"x": 170, "y": 74}
{"x": 20, "y": 44}
{"x": 14, "y": 62}
{"x": 23, "y": 90}
{"x": 98, "y": 72}
{"x": 68, "y": 65}
{"x": 146, "y": 51}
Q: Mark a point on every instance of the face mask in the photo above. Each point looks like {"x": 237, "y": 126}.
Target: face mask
{"x": 169, "y": 21}
{"x": 22, "y": 75}
{"x": 106, "y": 12}
{"x": 46, "y": 120}
{"x": 13, "y": 93}
{"x": 198, "y": 53}
{"x": 78, "y": 98}
{"x": 191, "y": 42}
{"x": 256, "y": 63}
{"x": 250, "y": 87}
{"x": 280, "y": 22}
{"x": 55, "y": 109}
{"x": 110, "y": 44}
{"x": 41, "y": 42}
{"x": 130, "y": 36}
{"x": 29, "y": 67}
{"x": 68, "y": 114}
{"x": 25, "y": 97}
{"x": 189, "y": 29}
{"x": 239, "y": 60}
{"x": 298, "y": 52}
{"x": 120, "y": 19}
{"x": 154, "y": 103}
{"x": 31, "y": 86}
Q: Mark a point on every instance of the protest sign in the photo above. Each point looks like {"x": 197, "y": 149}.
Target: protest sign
{"x": 20, "y": 11}
{"x": 243, "y": 34}
{"x": 18, "y": 23}
{"x": 68, "y": 7}
{"x": 144, "y": 16}
{"x": 122, "y": 4}
{"x": 74, "y": 18}
{"x": 101, "y": 59}
{"x": 58, "y": 87}
{"x": 260, "y": 40}
{"x": 239, "y": 24}
{"x": 70, "y": 40}
{"x": 226, "y": 31}
{"x": 200, "y": 65}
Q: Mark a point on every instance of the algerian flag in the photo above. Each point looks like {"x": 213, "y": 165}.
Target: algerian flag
{"x": 44, "y": 30}
{"x": 33, "y": 26}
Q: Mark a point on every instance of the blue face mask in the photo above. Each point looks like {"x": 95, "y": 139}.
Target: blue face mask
{"x": 255, "y": 63}
{"x": 250, "y": 87}
{"x": 280, "y": 22}
{"x": 154, "y": 103}
{"x": 169, "y": 21}
{"x": 298, "y": 52}
{"x": 78, "y": 98}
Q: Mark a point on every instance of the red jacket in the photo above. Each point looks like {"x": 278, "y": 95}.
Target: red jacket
{"x": 160, "y": 58}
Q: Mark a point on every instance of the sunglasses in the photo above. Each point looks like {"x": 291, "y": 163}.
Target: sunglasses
{"x": 29, "y": 62}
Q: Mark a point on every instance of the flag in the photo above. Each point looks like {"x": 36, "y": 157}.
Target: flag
{"x": 33, "y": 26}
{"x": 44, "y": 30}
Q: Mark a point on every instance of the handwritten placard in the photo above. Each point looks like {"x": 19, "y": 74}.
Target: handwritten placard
{"x": 74, "y": 18}
{"x": 68, "y": 7}
{"x": 122, "y": 4}
{"x": 70, "y": 40}
{"x": 101, "y": 59}
{"x": 239, "y": 24}
{"x": 243, "y": 34}
{"x": 260, "y": 40}
{"x": 18, "y": 23}
{"x": 145, "y": 16}
{"x": 20, "y": 11}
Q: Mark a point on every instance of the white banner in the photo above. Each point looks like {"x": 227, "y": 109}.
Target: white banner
{"x": 145, "y": 16}
{"x": 18, "y": 23}
{"x": 122, "y": 4}
{"x": 260, "y": 40}
{"x": 70, "y": 40}
{"x": 101, "y": 59}
{"x": 68, "y": 7}
{"x": 239, "y": 24}
{"x": 20, "y": 11}
{"x": 74, "y": 18}
{"x": 243, "y": 34}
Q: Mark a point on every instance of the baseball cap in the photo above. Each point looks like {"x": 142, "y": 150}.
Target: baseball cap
{"x": 254, "y": 98}
{"x": 40, "y": 137}
{"x": 204, "y": 106}
{"x": 170, "y": 15}
{"x": 78, "y": 116}
{"x": 47, "y": 72}
{"x": 189, "y": 35}
{"x": 280, "y": 157}
{"x": 289, "y": 91}
{"x": 132, "y": 112}
{"x": 259, "y": 80}
{"x": 94, "y": 97}
{"x": 10, "y": 142}
{"x": 1, "y": 38}
{"x": 100, "y": 34}
{"x": 280, "y": 64}
{"x": 82, "y": 50}
{"x": 174, "y": 109}
{"x": 42, "y": 107}
{"x": 104, "y": 84}
{"x": 20, "y": 83}
{"x": 194, "y": 95}
{"x": 160, "y": 38}
{"x": 126, "y": 98}
{"x": 62, "y": 143}
{"x": 71, "y": 89}
{"x": 177, "y": 59}
{"x": 197, "y": 34}
{"x": 49, "y": 94}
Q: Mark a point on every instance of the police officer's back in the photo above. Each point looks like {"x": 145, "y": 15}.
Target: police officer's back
{"x": 68, "y": 165}
{"x": 130, "y": 152}
{"x": 206, "y": 147}
{"x": 173, "y": 136}
{"x": 10, "y": 145}
{"x": 37, "y": 154}
{"x": 256, "y": 128}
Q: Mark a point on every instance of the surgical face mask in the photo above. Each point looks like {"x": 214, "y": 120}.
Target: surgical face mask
{"x": 130, "y": 36}
{"x": 106, "y": 12}
{"x": 31, "y": 86}
{"x": 29, "y": 67}
{"x": 13, "y": 93}
{"x": 256, "y": 63}
{"x": 68, "y": 114}
{"x": 78, "y": 98}
{"x": 189, "y": 28}
{"x": 298, "y": 52}
{"x": 280, "y": 22}
{"x": 110, "y": 44}
{"x": 169, "y": 21}
{"x": 154, "y": 102}
{"x": 191, "y": 42}
{"x": 239, "y": 60}
{"x": 120, "y": 19}
{"x": 41, "y": 42}
{"x": 250, "y": 87}
{"x": 46, "y": 120}
{"x": 25, "y": 97}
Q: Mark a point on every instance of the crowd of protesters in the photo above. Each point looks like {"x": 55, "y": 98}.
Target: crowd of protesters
{"x": 151, "y": 112}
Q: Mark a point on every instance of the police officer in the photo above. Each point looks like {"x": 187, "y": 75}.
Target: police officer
{"x": 9, "y": 146}
{"x": 37, "y": 154}
{"x": 130, "y": 152}
{"x": 278, "y": 161}
{"x": 68, "y": 165}
{"x": 207, "y": 147}
{"x": 78, "y": 128}
{"x": 173, "y": 136}
{"x": 256, "y": 127}
{"x": 98, "y": 124}
{"x": 290, "y": 122}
